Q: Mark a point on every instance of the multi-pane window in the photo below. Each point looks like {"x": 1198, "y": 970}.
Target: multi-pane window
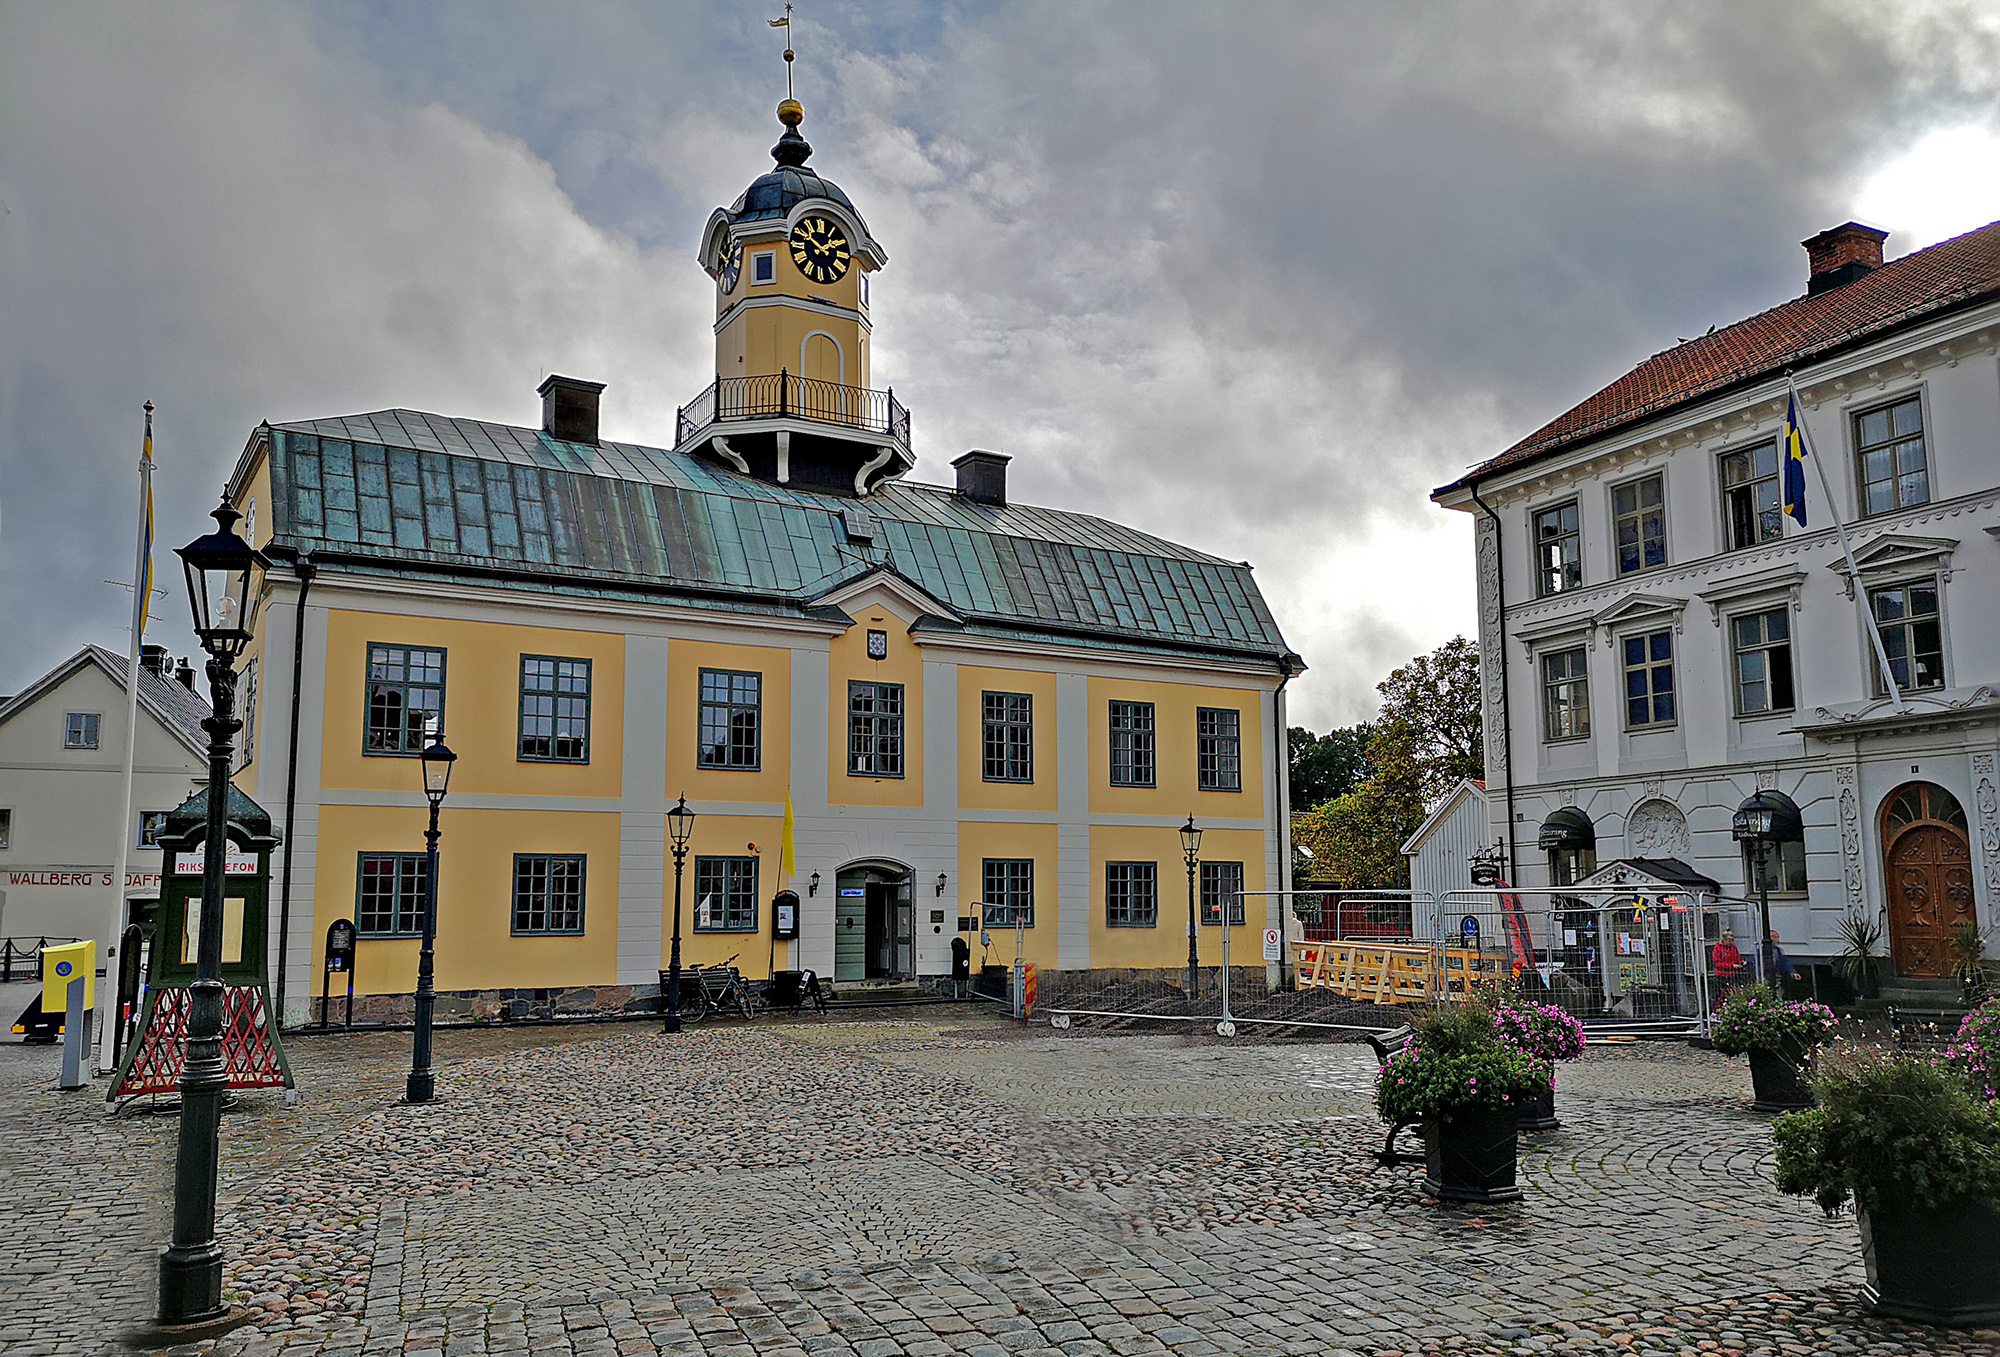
{"x": 1763, "y": 644}
{"x": 152, "y": 824}
{"x": 1131, "y": 744}
{"x": 1639, "y": 524}
{"x": 1008, "y": 739}
{"x": 1008, "y": 891}
{"x": 80, "y": 730}
{"x": 1782, "y": 870}
{"x": 1907, "y": 617}
{"x": 1890, "y": 446}
{"x": 1222, "y": 887}
{"x": 389, "y": 895}
{"x": 555, "y": 709}
{"x": 725, "y": 895}
{"x": 548, "y": 892}
{"x": 731, "y": 717}
{"x": 405, "y": 694}
{"x": 874, "y": 729}
{"x": 1132, "y": 894}
{"x": 1566, "y": 694}
{"x": 1218, "y": 742}
{"x": 1558, "y": 550}
{"x": 1649, "y": 680}
{"x": 1753, "y": 509}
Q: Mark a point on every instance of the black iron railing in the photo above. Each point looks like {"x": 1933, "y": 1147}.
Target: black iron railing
{"x": 787, "y": 397}
{"x": 22, "y": 960}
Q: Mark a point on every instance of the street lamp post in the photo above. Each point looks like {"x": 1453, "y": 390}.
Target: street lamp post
{"x": 437, "y": 760}
{"x": 1191, "y": 846}
{"x": 220, "y": 568}
{"x": 680, "y": 825}
{"x": 1755, "y": 823}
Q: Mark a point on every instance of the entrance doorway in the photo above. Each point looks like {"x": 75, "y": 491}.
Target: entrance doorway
{"x": 873, "y": 929}
{"x": 1927, "y": 858}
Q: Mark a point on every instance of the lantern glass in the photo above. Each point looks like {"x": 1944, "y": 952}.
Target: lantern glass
{"x": 680, "y": 823}
{"x": 1190, "y": 837}
{"x": 438, "y": 760}
{"x": 222, "y": 570}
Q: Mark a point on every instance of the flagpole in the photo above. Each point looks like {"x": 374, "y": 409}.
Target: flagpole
{"x": 142, "y": 586}
{"x": 1860, "y": 595}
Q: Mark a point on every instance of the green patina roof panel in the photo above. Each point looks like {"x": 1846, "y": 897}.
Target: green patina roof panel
{"x": 425, "y": 493}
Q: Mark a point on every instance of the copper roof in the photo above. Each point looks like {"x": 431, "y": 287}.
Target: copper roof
{"x": 1920, "y": 284}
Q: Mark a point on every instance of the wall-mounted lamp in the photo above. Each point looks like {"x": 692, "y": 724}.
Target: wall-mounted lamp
{"x": 813, "y": 889}
{"x": 941, "y": 881}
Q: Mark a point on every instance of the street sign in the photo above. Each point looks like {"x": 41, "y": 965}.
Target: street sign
{"x": 1469, "y": 926}
{"x": 1274, "y": 945}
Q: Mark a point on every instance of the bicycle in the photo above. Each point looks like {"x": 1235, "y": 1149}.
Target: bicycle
{"x": 706, "y": 990}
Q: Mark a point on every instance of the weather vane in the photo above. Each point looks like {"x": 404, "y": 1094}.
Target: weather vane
{"x": 786, "y": 24}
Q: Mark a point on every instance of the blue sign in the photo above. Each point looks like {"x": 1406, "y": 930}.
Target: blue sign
{"x": 63, "y": 968}
{"x": 1470, "y": 926}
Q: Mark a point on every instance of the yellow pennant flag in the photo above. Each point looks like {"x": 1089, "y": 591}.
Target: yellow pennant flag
{"x": 787, "y": 864}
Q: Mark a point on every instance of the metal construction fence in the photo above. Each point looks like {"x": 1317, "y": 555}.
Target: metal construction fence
{"x": 1626, "y": 959}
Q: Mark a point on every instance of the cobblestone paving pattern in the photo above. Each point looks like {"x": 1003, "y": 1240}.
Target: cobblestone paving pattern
{"x": 918, "y": 1189}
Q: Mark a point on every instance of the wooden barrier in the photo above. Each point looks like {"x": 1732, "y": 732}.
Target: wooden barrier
{"x": 1393, "y": 973}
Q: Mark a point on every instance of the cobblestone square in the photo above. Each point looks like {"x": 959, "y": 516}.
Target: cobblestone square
{"x": 924, "y": 1188}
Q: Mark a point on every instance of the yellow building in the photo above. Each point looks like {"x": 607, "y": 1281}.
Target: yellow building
{"x": 978, "y": 710}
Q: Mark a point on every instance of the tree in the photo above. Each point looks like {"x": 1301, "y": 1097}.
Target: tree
{"x": 1436, "y": 698}
{"x": 1329, "y": 765}
{"x": 1357, "y": 838}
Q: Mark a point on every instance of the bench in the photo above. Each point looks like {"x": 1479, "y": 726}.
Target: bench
{"x": 1387, "y": 1044}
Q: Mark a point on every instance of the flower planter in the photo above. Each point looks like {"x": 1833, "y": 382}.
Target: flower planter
{"x": 1777, "y": 1082}
{"x": 1469, "y": 1157}
{"x": 1937, "y": 1266}
{"x": 1537, "y": 1113}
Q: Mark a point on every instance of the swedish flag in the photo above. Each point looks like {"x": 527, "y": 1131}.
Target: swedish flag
{"x": 1795, "y": 463}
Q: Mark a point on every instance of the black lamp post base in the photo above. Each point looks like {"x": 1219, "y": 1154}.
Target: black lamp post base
{"x": 158, "y": 1335}
{"x": 421, "y": 1088}
{"x": 191, "y": 1286}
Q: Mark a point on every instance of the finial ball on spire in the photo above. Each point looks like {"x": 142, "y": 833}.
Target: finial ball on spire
{"x": 791, "y": 113}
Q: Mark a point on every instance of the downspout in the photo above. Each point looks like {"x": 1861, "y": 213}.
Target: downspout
{"x": 1506, "y": 703}
{"x": 1282, "y": 799}
{"x": 306, "y": 570}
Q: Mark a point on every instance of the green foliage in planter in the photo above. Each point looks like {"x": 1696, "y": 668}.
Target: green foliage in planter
{"x": 1755, "y": 1019}
{"x": 1891, "y": 1128}
{"x": 1856, "y": 962}
{"x": 1457, "y": 1062}
{"x": 1974, "y": 1053}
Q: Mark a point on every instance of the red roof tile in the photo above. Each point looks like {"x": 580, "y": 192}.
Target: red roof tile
{"x": 1901, "y": 292}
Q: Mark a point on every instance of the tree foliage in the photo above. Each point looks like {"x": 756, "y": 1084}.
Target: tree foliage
{"x": 1329, "y": 765}
{"x": 1436, "y": 697}
{"x": 1356, "y": 839}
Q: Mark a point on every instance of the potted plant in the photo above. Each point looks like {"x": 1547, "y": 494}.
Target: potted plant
{"x": 1918, "y": 1150}
{"x": 1778, "y": 1035}
{"x": 1856, "y": 963}
{"x": 1968, "y": 962}
{"x": 1464, "y": 1083}
{"x": 1549, "y": 1034}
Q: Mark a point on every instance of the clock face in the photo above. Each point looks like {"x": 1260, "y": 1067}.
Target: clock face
{"x": 819, "y": 249}
{"x": 730, "y": 267}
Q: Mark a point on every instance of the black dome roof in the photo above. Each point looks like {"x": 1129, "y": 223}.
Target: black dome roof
{"x": 785, "y": 187}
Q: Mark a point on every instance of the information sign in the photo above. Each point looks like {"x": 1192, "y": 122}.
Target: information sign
{"x": 1274, "y": 945}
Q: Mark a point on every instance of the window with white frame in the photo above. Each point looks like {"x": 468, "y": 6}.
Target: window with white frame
{"x": 1894, "y": 472}
{"x": 1639, "y": 523}
{"x": 1649, "y": 680}
{"x": 80, "y": 730}
{"x": 1558, "y": 550}
{"x": 1753, "y": 508}
{"x": 1763, "y": 655}
{"x": 1912, "y": 632}
{"x": 1566, "y": 695}
{"x": 764, "y": 267}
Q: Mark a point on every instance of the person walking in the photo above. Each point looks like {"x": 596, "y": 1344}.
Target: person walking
{"x": 1728, "y": 964}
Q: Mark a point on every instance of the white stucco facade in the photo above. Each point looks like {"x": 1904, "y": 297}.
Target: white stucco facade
{"x": 1839, "y": 748}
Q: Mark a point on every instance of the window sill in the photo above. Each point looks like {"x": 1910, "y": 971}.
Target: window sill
{"x": 386, "y": 937}
{"x": 1010, "y": 781}
{"x": 547, "y": 933}
{"x": 751, "y": 928}
{"x": 729, "y": 767}
{"x": 1568, "y": 740}
{"x": 1776, "y": 714}
{"x": 543, "y": 758}
{"x": 1152, "y": 924}
{"x": 879, "y": 777}
{"x": 392, "y": 753}
{"x": 1655, "y": 728}
{"x": 1227, "y": 791}
{"x": 1137, "y": 786}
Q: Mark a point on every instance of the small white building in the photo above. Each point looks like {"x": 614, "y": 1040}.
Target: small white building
{"x": 1440, "y": 852}
{"x": 1661, "y": 642}
{"x": 62, "y": 788}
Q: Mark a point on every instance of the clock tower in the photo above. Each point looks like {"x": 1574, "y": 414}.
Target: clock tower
{"x": 793, "y": 400}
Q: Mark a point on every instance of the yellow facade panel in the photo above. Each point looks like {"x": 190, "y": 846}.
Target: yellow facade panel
{"x": 980, "y": 840}
{"x": 1176, "y": 788}
{"x": 1164, "y": 945}
{"x": 974, "y": 791}
{"x": 903, "y": 664}
{"x": 735, "y": 836}
{"x": 766, "y": 782}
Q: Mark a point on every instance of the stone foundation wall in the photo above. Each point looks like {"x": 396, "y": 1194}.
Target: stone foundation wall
{"x": 500, "y": 1005}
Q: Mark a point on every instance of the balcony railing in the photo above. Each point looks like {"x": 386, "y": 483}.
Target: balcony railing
{"x": 735, "y": 399}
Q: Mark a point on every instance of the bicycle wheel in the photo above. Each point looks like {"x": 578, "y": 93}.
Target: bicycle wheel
{"x": 744, "y": 1003}
{"x": 694, "y": 1003}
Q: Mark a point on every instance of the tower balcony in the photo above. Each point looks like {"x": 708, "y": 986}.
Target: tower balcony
{"x": 803, "y": 404}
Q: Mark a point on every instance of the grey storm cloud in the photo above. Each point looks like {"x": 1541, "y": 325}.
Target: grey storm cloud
{"x": 1252, "y": 277}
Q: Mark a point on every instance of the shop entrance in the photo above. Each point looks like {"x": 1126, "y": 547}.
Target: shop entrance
{"x": 1927, "y": 857}
{"x": 872, "y": 924}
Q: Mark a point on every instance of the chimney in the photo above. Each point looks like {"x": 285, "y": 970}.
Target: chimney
{"x": 1841, "y": 255}
{"x": 153, "y": 659}
{"x": 569, "y": 409}
{"x": 982, "y": 477}
{"x": 185, "y": 674}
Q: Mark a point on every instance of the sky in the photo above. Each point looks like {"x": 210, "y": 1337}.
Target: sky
{"x": 1251, "y": 277}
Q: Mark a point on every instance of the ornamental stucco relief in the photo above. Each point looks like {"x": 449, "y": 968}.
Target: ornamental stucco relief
{"x": 1657, "y": 829}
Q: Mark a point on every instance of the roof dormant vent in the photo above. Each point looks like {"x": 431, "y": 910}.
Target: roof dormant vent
{"x": 1841, "y": 255}
{"x": 569, "y": 409}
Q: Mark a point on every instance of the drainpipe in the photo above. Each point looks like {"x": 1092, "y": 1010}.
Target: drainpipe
{"x": 306, "y": 570}
{"x": 1506, "y": 704}
{"x": 1282, "y": 799}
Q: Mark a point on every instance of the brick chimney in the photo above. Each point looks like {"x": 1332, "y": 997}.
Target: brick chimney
{"x": 1841, "y": 255}
{"x": 982, "y": 477}
{"x": 569, "y": 409}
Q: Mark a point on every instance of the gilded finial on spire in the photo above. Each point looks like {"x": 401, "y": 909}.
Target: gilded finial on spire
{"x": 790, "y": 101}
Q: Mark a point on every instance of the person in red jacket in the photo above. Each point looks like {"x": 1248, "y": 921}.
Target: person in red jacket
{"x": 1728, "y": 965}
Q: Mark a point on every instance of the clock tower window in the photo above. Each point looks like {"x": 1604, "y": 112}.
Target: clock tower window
{"x": 764, "y": 267}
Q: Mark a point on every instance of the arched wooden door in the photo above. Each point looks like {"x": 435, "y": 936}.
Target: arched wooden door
{"x": 1927, "y": 857}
